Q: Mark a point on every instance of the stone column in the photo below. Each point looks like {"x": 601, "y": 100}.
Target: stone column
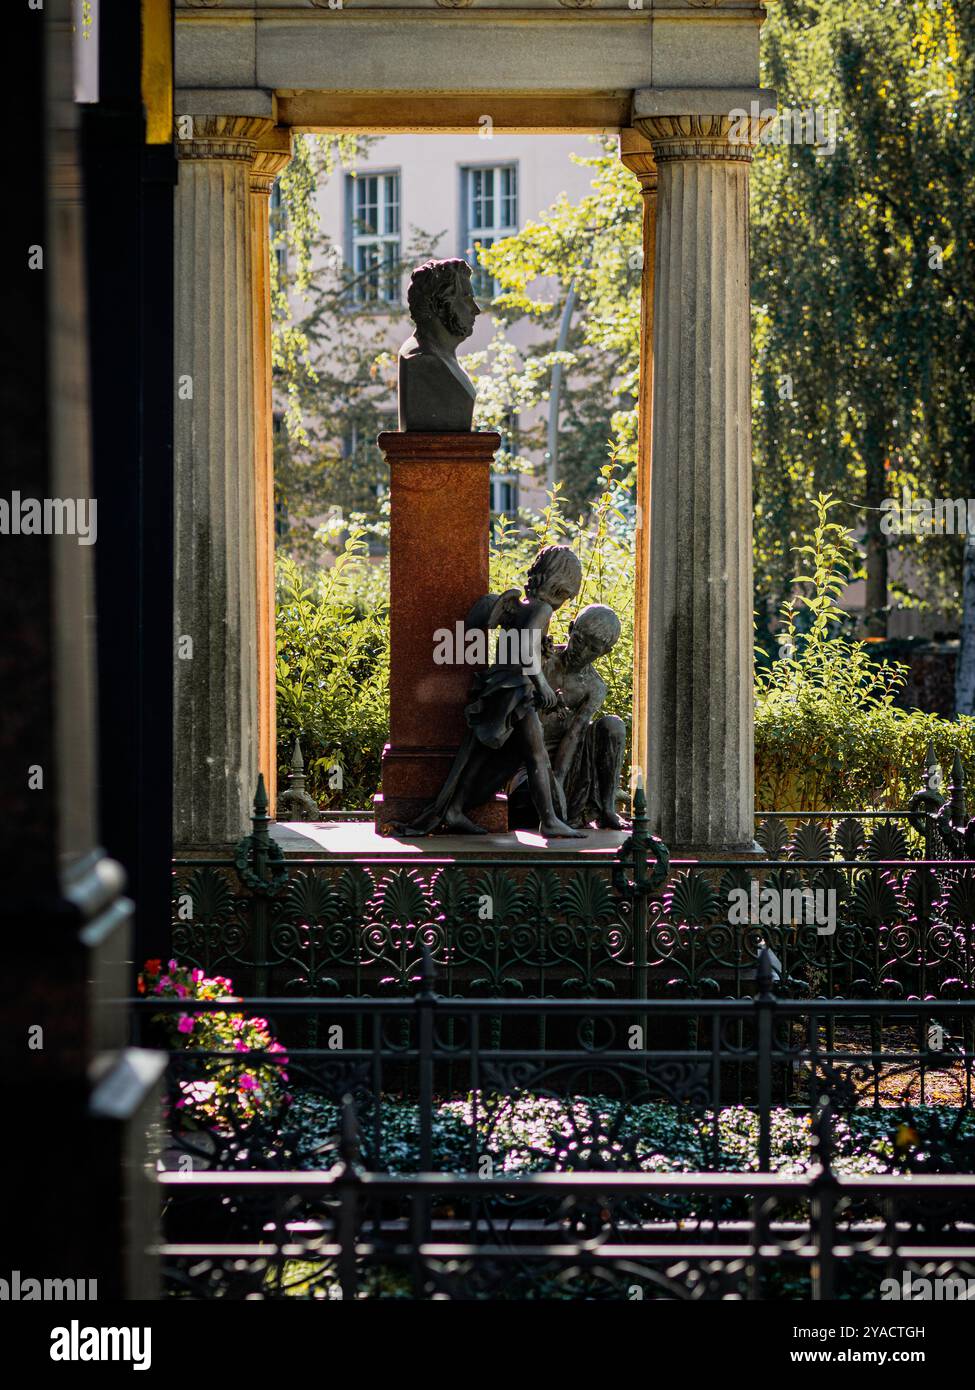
{"x": 637, "y": 154}
{"x": 268, "y": 164}
{"x": 215, "y": 501}
{"x": 700, "y": 760}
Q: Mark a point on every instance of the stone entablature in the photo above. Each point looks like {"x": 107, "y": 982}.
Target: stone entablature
{"x": 533, "y": 46}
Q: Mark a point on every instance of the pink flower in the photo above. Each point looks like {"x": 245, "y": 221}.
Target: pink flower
{"x": 181, "y": 991}
{"x": 247, "y": 1082}
{"x": 185, "y": 1024}
{"x": 197, "y": 976}
{"x": 240, "y": 1046}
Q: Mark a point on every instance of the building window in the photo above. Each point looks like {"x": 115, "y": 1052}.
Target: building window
{"x": 504, "y": 485}
{"x": 490, "y": 204}
{"x": 374, "y": 240}
{"x": 277, "y": 223}
{"x": 504, "y": 494}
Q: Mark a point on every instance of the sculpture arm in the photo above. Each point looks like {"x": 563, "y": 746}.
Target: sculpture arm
{"x": 536, "y": 621}
{"x": 569, "y": 744}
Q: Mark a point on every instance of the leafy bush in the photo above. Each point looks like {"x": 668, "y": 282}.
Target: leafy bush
{"x": 827, "y": 731}
{"x": 537, "y": 1133}
{"x": 333, "y": 673}
{"x": 224, "y": 1092}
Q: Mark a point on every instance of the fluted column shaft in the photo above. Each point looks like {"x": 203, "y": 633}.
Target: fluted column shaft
{"x": 268, "y": 164}
{"x": 637, "y": 155}
{"x": 700, "y": 759}
{"x": 215, "y": 686}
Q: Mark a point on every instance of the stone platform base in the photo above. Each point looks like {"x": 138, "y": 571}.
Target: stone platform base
{"x": 391, "y": 811}
{"x": 361, "y": 840}
{"x": 704, "y": 854}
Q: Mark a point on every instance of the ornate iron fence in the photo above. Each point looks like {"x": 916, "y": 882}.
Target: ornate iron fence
{"x": 352, "y": 1234}
{"x": 902, "y": 890}
{"x": 552, "y": 1168}
{"x": 610, "y": 1069}
{"x": 449, "y": 1145}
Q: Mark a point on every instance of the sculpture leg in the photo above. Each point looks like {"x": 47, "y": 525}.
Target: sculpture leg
{"x": 538, "y": 767}
{"x": 609, "y": 746}
{"x": 466, "y": 794}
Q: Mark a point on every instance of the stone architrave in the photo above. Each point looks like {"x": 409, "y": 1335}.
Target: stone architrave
{"x": 438, "y": 568}
{"x": 215, "y": 503}
{"x": 700, "y": 759}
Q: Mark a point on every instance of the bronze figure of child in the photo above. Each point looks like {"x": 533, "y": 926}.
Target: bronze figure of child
{"x": 504, "y": 727}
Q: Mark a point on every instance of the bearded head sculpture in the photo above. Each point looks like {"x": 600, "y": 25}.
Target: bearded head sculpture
{"x": 435, "y": 393}
{"x": 441, "y": 291}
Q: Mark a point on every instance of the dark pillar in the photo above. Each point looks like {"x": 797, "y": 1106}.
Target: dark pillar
{"x": 129, "y": 233}
{"x": 79, "y": 1102}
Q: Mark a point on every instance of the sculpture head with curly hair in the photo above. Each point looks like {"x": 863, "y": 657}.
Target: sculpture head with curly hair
{"x": 555, "y": 575}
{"x": 435, "y": 393}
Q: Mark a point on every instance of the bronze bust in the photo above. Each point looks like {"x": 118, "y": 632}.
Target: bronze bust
{"x": 435, "y": 393}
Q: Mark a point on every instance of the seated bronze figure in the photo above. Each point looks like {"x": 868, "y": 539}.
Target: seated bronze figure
{"x": 503, "y": 717}
{"x": 586, "y": 752}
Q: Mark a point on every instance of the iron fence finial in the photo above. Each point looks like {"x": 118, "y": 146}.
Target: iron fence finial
{"x": 261, "y": 802}
{"x": 295, "y": 802}
{"x": 428, "y": 973}
{"x": 959, "y": 814}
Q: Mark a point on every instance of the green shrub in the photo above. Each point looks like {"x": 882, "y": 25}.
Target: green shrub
{"x": 827, "y": 731}
{"x": 333, "y": 673}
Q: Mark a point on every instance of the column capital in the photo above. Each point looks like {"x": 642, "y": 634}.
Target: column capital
{"x": 724, "y": 137}
{"x": 221, "y": 137}
{"x": 273, "y": 155}
{"x": 636, "y": 153}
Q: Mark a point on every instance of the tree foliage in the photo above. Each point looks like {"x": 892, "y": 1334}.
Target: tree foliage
{"x": 827, "y": 732}
{"x": 863, "y": 290}
{"x": 863, "y": 296}
{"x": 596, "y": 246}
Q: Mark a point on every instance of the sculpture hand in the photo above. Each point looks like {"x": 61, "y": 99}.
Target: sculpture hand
{"x": 547, "y": 697}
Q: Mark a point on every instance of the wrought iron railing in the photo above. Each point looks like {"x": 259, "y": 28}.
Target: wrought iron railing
{"x": 352, "y": 1234}
{"x": 902, "y": 925}
{"x": 600, "y": 1063}
{"x": 585, "y": 1200}
{"x": 429, "y": 1142}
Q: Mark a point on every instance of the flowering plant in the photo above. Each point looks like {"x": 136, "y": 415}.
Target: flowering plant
{"x": 224, "y": 1090}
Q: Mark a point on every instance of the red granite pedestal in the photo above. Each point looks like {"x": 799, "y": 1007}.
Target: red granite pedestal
{"x": 438, "y": 567}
